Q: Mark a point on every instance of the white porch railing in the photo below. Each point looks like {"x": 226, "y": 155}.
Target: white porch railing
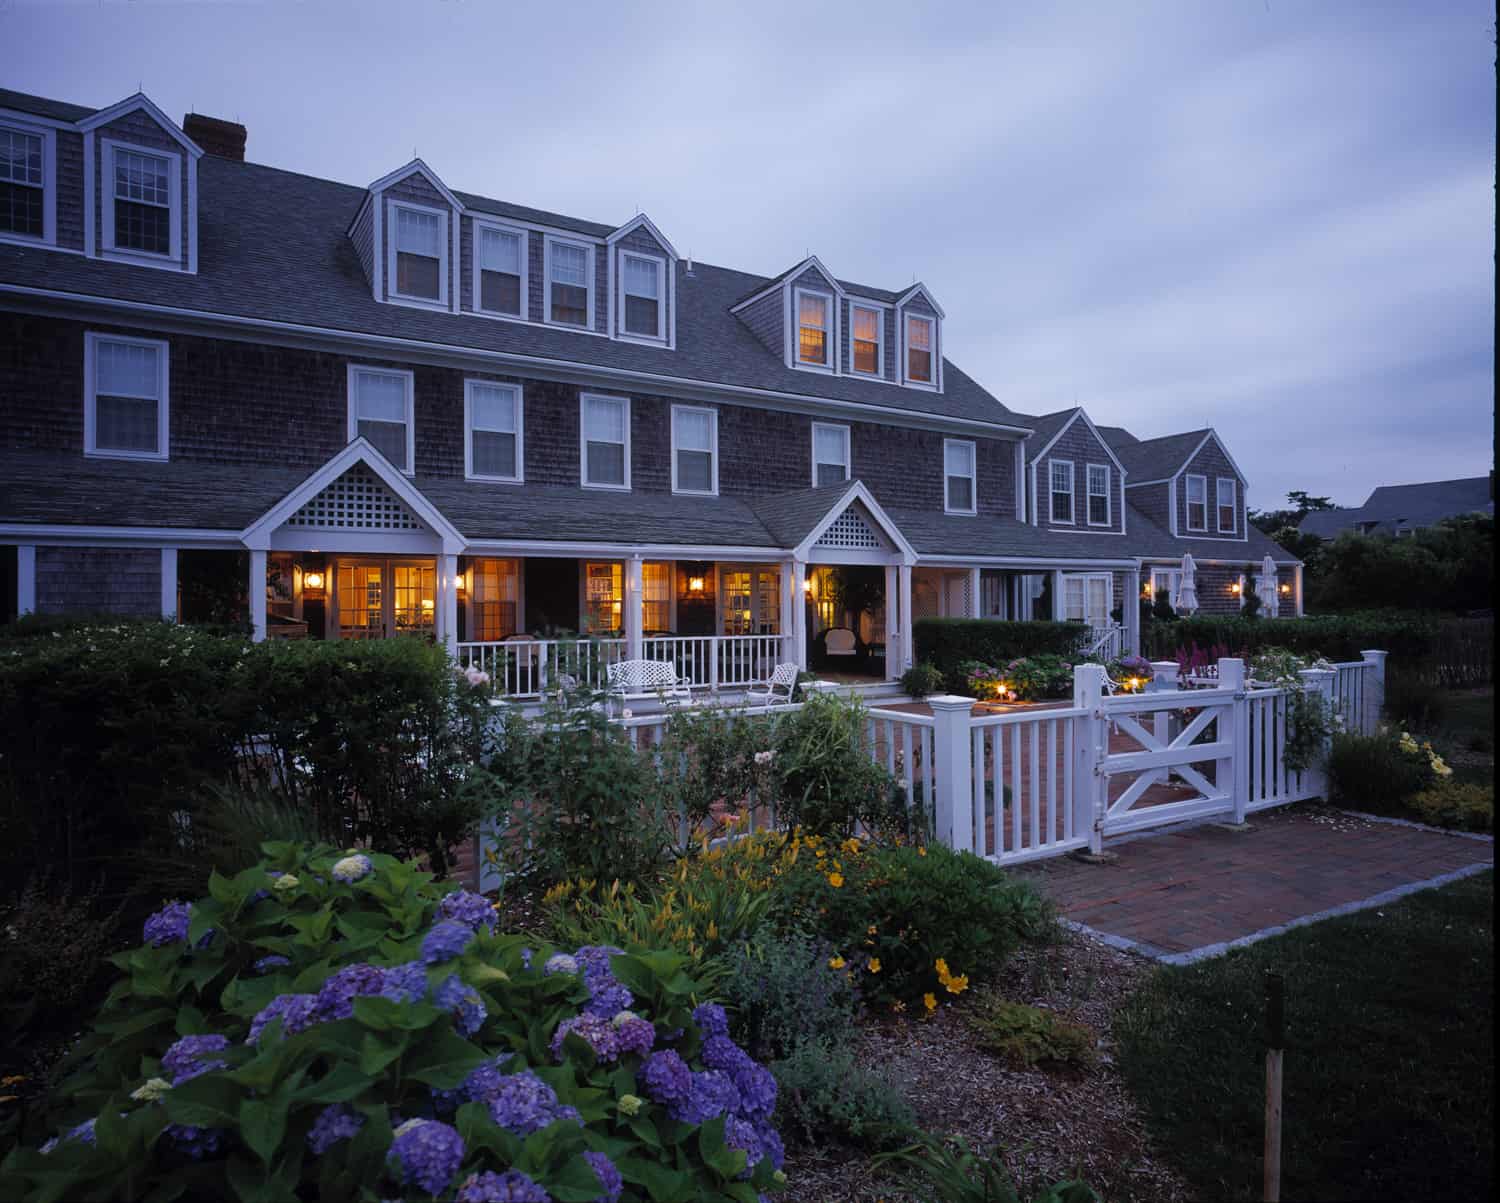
{"x": 717, "y": 661}
{"x": 1104, "y": 643}
{"x": 527, "y": 668}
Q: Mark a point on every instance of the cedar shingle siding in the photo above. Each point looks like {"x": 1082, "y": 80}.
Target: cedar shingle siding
{"x": 1079, "y": 444}
{"x": 98, "y": 580}
{"x": 1212, "y": 463}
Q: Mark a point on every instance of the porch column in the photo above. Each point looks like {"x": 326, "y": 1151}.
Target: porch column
{"x": 1059, "y": 611}
{"x": 799, "y": 613}
{"x": 790, "y": 587}
{"x": 894, "y": 644}
{"x": 1297, "y": 587}
{"x": 976, "y": 604}
{"x": 25, "y": 579}
{"x": 634, "y": 609}
{"x": 908, "y": 648}
{"x": 169, "y": 582}
{"x": 447, "y": 600}
{"x": 1130, "y": 605}
{"x": 257, "y": 594}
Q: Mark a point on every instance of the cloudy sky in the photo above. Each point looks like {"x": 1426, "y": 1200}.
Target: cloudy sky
{"x": 1275, "y": 217}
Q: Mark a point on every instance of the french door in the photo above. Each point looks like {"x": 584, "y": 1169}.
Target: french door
{"x": 381, "y": 598}
{"x": 1088, "y": 597}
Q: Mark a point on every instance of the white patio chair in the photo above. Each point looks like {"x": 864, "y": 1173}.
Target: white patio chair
{"x": 779, "y": 686}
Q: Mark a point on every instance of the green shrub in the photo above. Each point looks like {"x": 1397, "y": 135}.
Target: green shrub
{"x": 825, "y": 780}
{"x": 707, "y": 764}
{"x": 1374, "y": 773}
{"x": 954, "y": 1173}
{"x": 921, "y": 680}
{"x": 1465, "y": 805}
{"x": 782, "y": 995}
{"x": 947, "y": 643}
{"x": 377, "y": 1015}
{"x": 1406, "y": 635}
{"x": 53, "y": 950}
{"x": 826, "y": 1090}
{"x": 1026, "y": 1036}
{"x": 1414, "y": 702}
{"x": 1033, "y": 678}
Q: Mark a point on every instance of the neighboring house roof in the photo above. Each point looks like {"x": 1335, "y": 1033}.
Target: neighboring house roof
{"x": 1405, "y": 507}
{"x": 1117, "y": 437}
{"x": 40, "y": 106}
{"x": 1158, "y": 459}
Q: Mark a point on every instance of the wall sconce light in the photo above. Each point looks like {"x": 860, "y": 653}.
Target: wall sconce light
{"x": 695, "y": 584}
{"x": 1286, "y": 588}
{"x": 807, "y": 585}
{"x": 1235, "y": 588}
{"x": 312, "y": 582}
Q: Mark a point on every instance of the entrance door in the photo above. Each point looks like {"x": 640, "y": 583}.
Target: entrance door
{"x": 380, "y": 598}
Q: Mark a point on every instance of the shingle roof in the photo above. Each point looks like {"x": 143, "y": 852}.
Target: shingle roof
{"x": 790, "y": 517}
{"x": 1117, "y": 437}
{"x": 1405, "y": 507}
{"x": 58, "y": 110}
{"x": 1157, "y": 459}
{"x": 1044, "y": 428}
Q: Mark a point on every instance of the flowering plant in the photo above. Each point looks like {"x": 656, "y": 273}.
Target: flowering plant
{"x": 1131, "y": 673}
{"x": 1041, "y": 676}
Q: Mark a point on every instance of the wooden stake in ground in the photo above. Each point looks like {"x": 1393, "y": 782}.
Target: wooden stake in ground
{"x": 1276, "y": 1042}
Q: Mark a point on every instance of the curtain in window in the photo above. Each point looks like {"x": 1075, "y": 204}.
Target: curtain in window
{"x": 656, "y": 597}
{"x": 642, "y": 296}
{"x": 499, "y": 271}
{"x": 866, "y": 335}
{"x": 419, "y": 249}
{"x": 570, "y": 278}
{"x": 812, "y": 325}
{"x": 494, "y": 593}
{"x": 127, "y": 395}
{"x": 1197, "y": 503}
{"x": 604, "y": 433}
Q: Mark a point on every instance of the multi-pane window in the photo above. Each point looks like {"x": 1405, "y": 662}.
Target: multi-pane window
{"x": 865, "y": 337}
{"x": 694, "y": 450}
{"x": 958, "y": 472}
{"x": 380, "y": 410}
{"x": 830, "y": 453}
{"x": 22, "y": 184}
{"x": 421, "y": 253}
{"x": 568, "y": 282}
{"x": 126, "y": 410}
{"x": 494, "y": 596}
{"x": 642, "y": 288}
{"x": 656, "y": 597}
{"x": 750, "y": 601}
{"x": 494, "y": 430}
{"x": 812, "y": 328}
{"x": 603, "y": 607}
{"x": 606, "y": 441}
{"x": 1060, "y": 487}
{"x": 501, "y": 258}
{"x": 1098, "y": 494}
{"x": 919, "y": 349}
{"x": 1227, "y": 488}
{"x": 1164, "y": 585}
{"x": 142, "y": 202}
{"x": 1197, "y": 503}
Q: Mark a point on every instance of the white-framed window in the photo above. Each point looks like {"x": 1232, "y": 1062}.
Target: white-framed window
{"x": 499, "y": 270}
{"x": 959, "y": 484}
{"x": 125, "y": 408}
{"x": 1197, "y": 503}
{"x": 569, "y": 282}
{"x": 1227, "y": 488}
{"x": 605, "y": 441}
{"x": 695, "y": 450}
{"x": 1098, "y": 495}
{"x": 1060, "y": 490}
{"x": 142, "y": 201}
{"x": 381, "y": 411}
{"x": 921, "y": 335}
{"x": 1165, "y": 582}
{"x": 814, "y": 314}
{"x": 494, "y": 431}
{"x": 28, "y": 183}
{"x": 1088, "y": 597}
{"x": 642, "y": 295}
{"x": 418, "y": 266}
{"x": 867, "y": 340}
{"x": 830, "y": 454}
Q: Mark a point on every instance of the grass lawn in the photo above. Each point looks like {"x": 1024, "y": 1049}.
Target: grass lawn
{"x": 1466, "y": 734}
{"x": 1389, "y": 1072}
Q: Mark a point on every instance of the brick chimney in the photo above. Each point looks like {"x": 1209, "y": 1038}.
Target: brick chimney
{"x": 223, "y": 138}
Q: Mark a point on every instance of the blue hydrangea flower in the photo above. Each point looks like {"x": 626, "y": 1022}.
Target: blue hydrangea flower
{"x": 609, "y": 1177}
{"x": 274, "y": 961}
{"x": 445, "y": 941}
{"x": 297, "y": 1013}
{"x": 597, "y": 1032}
{"x": 405, "y": 983}
{"x": 666, "y": 1076}
{"x": 472, "y": 910}
{"x": 607, "y": 997}
{"x": 720, "y": 1052}
{"x": 713, "y": 1094}
{"x": 185, "y": 1059}
{"x": 757, "y": 1087}
{"x": 169, "y": 925}
{"x": 427, "y": 1153}
{"x": 711, "y": 1020}
{"x": 560, "y": 962}
{"x": 464, "y": 1003}
{"x": 509, "y": 1187}
{"x": 354, "y": 867}
{"x": 336, "y": 996}
{"x": 770, "y": 1143}
{"x": 522, "y": 1103}
{"x": 197, "y": 1143}
{"x": 635, "y": 1035}
{"x": 334, "y": 1123}
{"x": 526, "y": 955}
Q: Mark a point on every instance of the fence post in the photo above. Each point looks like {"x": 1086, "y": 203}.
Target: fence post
{"x": 1236, "y": 770}
{"x": 1089, "y": 783}
{"x": 1320, "y": 681}
{"x": 952, "y": 747}
{"x": 713, "y": 664}
{"x": 1374, "y": 691}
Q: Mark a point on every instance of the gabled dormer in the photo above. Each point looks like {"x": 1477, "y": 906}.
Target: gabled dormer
{"x": 140, "y": 183}
{"x": 1074, "y": 479}
{"x": 798, "y": 316}
{"x": 406, "y": 236}
{"x": 642, "y": 284}
{"x": 919, "y": 334}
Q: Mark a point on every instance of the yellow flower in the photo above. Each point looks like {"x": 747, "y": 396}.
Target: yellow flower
{"x": 922, "y": 851}
{"x": 957, "y": 985}
{"x": 942, "y": 968}
{"x": 819, "y": 853}
{"x": 874, "y": 964}
{"x": 929, "y": 1000}
{"x": 851, "y": 846}
{"x": 835, "y": 962}
{"x": 835, "y": 880}
{"x": 870, "y": 931}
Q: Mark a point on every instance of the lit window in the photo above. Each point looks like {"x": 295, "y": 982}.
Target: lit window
{"x": 656, "y": 598}
{"x": 569, "y": 282}
{"x": 830, "y": 454}
{"x": 493, "y": 416}
{"x": 1060, "y": 486}
{"x": 1197, "y": 503}
{"x": 695, "y": 466}
{"x": 1099, "y": 499}
{"x": 812, "y": 328}
{"x": 606, "y": 442}
{"x": 380, "y": 411}
{"x": 642, "y": 287}
{"x": 958, "y": 469}
{"x": 22, "y": 183}
{"x": 749, "y": 601}
{"x": 919, "y": 349}
{"x": 126, "y": 399}
{"x": 1165, "y": 582}
{"x": 501, "y": 271}
{"x": 421, "y": 254}
{"x": 603, "y": 598}
{"x": 494, "y": 597}
{"x": 1227, "y": 506}
{"x": 143, "y": 196}
{"x": 866, "y": 338}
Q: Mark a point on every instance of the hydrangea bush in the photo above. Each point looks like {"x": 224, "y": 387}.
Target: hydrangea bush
{"x": 336, "y": 1026}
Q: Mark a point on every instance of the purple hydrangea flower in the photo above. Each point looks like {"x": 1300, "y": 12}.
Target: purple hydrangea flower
{"x": 336, "y": 996}
{"x": 560, "y": 962}
{"x": 334, "y": 1123}
{"x": 597, "y": 1032}
{"x": 297, "y": 1013}
{"x": 169, "y": 925}
{"x": 197, "y": 1143}
{"x": 720, "y": 1052}
{"x": 757, "y": 1087}
{"x": 445, "y": 941}
{"x": 274, "y": 961}
{"x": 472, "y": 910}
{"x": 463, "y": 1001}
{"x": 184, "y": 1060}
{"x": 711, "y": 1020}
{"x": 607, "y": 997}
{"x": 509, "y": 1187}
{"x": 770, "y": 1143}
{"x": 526, "y": 958}
{"x": 609, "y": 1177}
{"x": 427, "y": 1152}
{"x": 354, "y": 867}
{"x": 666, "y": 1076}
{"x": 713, "y": 1094}
{"x": 83, "y": 1132}
{"x": 522, "y": 1103}
{"x": 405, "y": 983}
{"x": 635, "y": 1035}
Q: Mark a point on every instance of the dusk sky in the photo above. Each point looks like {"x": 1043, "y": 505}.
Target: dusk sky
{"x": 1273, "y": 217}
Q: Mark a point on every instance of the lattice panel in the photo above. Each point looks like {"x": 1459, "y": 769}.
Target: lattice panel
{"x": 357, "y": 500}
{"x": 851, "y": 529}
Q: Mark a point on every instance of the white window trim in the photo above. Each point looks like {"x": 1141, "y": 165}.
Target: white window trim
{"x": 1071, "y": 519}
{"x": 713, "y": 440}
{"x": 1234, "y": 505}
{"x": 1109, "y": 500}
{"x": 49, "y": 184}
{"x": 848, "y": 449}
{"x": 583, "y": 441}
{"x": 661, "y": 301}
{"x": 91, "y": 340}
{"x": 390, "y": 256}
{"x": 1084, "y": 578}
{"x": 469, "y": 473}
{"x": 174, "y": 203}
{"x": 830, "y": 332}
{"x": 973, "y": 476}
{"x": 879, "y": 372}
{"x": 1173, "y": 579}
{"x": 411, "y": 414}
{"x": 548, "y": 242}
{"x": 1187, "y": 502}
{"x": 906, "y": 378}
{"x": 478, "y": 224}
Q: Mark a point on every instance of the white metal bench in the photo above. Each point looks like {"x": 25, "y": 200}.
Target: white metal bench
{"x": 780, "y": 686}
{"x": 637, "y": 680}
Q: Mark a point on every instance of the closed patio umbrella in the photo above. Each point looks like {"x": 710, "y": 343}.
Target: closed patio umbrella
{"x": 1187, "y": 591}
{"x": 1265, "y": 585}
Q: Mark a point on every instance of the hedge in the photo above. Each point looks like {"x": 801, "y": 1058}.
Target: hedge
{"x": 1407, "y": 635}
{"x": 948, "y": 643}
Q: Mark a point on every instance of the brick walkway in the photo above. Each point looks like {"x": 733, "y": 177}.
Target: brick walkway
{"x": 1178, "y": 894}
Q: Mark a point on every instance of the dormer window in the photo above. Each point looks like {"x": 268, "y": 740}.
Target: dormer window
{"x": 919, "y": 333}
{"x": 1227, "y": 487}
{"x": 813, "y": 324}
{"x": 1197, "y": 503}
{"x": 23, "y": 183}
{"x": 865, "y": 339}
{"x": 1060, "y": 487}
{"x": 419, "y": 247}
{"x": 644, "y": 312}
{"x": 142, "y": 201}
{"x": 570, "y": 282}
{"x": 500, "y": 260}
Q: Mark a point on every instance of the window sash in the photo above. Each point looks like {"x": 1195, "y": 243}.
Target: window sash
{"x": 568, "y": 283}
{"x": 812, "y": 329}
{"x": 382, "y": 412}
{"x": 142, "y": 178}
{"x": 919, "y": 349}
{"x": 958, "y": 468}
{"x": 605, "y": 428}
{"x": 22, "y": 209}
{"x": 494, "y": 430}
{"x": 865, "y": 339}
{"x": 1099, "y": 498}
{"x": 830, "y": 454}
{"x": 1227, "y": 507}
{"x": 1060, "y": 486}
{"x": 500, "y": 265}
{"x": 1197, "y": 506}
{"x": 21, "y": 157}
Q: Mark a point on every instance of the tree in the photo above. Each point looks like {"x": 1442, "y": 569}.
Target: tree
{"x": 1447, "y": 567}
{"x": 1272, "y": 521}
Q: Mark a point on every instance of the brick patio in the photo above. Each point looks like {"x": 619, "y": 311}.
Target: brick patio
{"x": 1182, "y": 891}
